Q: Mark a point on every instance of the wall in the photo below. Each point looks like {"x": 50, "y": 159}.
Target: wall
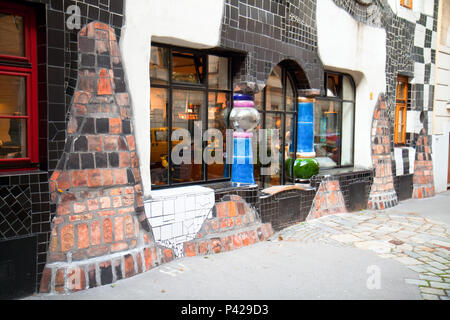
{"x": 441, "y": 120}
{"x": 197, "y": 26}
{"x": 361, "y": 53}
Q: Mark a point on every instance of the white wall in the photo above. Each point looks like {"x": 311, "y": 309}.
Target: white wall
{"x": 419, "y": 6}
{"x": 440, "y": 159}
{"x": 193, "y": 23}
{"x": 360, "y": 50}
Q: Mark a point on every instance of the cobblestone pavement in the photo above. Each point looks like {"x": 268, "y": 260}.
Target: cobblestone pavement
{"x": 423, "y": 245}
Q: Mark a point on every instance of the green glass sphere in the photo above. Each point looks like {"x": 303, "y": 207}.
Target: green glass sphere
{"x": 288, "y": 166}
{"x": 305, "y": 168}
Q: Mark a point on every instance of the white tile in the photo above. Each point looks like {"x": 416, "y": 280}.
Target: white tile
{"x": 156, "y": 208}
{"x": 419, "y": 36}
{"x": 427, "y": 55}
{"x": 429, "y": 23}
{"x": 156, "y": 221}
{"x": 169, "y": 206}
{"x": 166, "y": 232}
{"x": 180, "y": 204}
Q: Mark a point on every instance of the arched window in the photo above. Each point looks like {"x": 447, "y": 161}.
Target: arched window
{"x": 277, "y": 104}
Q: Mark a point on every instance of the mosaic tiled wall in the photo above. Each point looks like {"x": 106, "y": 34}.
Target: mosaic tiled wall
{"x": 270, "y": 32}
{"x": 57, "y": 74}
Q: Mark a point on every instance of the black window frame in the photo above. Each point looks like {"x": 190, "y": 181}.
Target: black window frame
{"x": 340, "y": 100}
{"x": 203, "y": 87}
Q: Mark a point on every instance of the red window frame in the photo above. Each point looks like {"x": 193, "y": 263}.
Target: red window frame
{"x": 26, "y": 67}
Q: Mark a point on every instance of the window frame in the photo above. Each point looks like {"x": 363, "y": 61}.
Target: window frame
{"x": 340, "y": 99}
{"x": 401, "y": 106}
{"x": 285, "y": 77}
{"x": 27, "y": 67}
{"x": 203, "y": 87}
{"x": 406, "y": 3}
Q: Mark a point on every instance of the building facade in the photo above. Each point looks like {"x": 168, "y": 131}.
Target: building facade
{"x": 94, "y": 94}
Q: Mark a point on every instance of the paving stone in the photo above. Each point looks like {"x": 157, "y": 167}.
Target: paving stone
{"x": 432, "y": 291}
{"x": 444, "y": 298}
{"x": 345, "y": 238}
{"x": 412, "y": 254}
{"x": 433, "y": 269}
{"x": 429, "y": 296}
{"x": 438, "y": 265}
{"x": 419, "y": 269}
{"x": 417, "y": 282}
{"x": 430, "y": 278}
{"x": 440, "y": 285}
{"x": 408, "y": 261}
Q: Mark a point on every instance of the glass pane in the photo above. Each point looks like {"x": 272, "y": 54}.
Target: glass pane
{"x": 12, "y": 39}
{"x": 274, "y": 90}
{"x": 274, "y": 121}
{"x": 218, "y": 72}
{"x": 257, "y": 164}
{"x": 159, "y": 65}
{"x": 348, "y": 110}
{"x": 289, "y": 149}
{"x": 187, "y": 67}
{"x": 217, "y": 119}
{"x": 400, "y": 122}
{"x": 259, "y": 100}
{"x": 13, "y": 138}
{"x": 326, "y": 132}
{"x": 187, "y": 114}
{"x": 333, "y": 85}
{"x": 348, "y": 92}
{"x": 159, "y": 136}
{"x": 13, "y": 97}
{"x": 290, "y": 97}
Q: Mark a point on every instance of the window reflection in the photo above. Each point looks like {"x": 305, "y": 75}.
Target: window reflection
{"x": 159, "y": 136}
{"x": 12, "y": 36}
{"x": 159, "y": 65}
{"x": 187, "y": 67}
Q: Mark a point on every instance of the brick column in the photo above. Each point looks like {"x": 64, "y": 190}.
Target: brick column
{"x": 328, "y": 199}
{"x": 96, "y": 185}
{"x": 423, "y": 168}
{"x": 382, "y": 194}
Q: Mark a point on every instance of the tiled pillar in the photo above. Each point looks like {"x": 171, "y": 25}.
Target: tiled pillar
{"x": 96, "y": 185}
{"x": 382, "y": 194}
{"x": 423, "y": 168}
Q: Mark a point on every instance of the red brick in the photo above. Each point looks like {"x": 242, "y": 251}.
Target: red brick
{"x": 131, "y": 143}
{"x": 83, "y": 235}
{"x": 134, "y": 160}
{"x": 119, "y": 246}
{"x": 244, "y": 239}
{"x": 79, "y": 207}
{"x": 104, "y": 83}
{"x": 168, "y": 255}
{"x": 76, "y": 279}
{"x": 79, "y": 178}
{"x": 111, "y": 143}
{"x": 242, "y": 208}
{"x": 92, "y": 204}
{"x": 106, "y": 213}
{"x": 227, "y": 243}
{"x": 189, "y": 249}
{"x": 107, "y": 230}
{"x": 64, "y": 181}
{"x": 64, "y": 208}
{"x": 221, "y": 208}
{"x": 231, "y": 205}
{"x": 115, "y": 125}
{"x": 216, "y": 245}
{"x": 97, "y": 251}
{"x": 223, "y": 223}
{"x": 46, "y": 280}
{"x": 252, "y": 236}
{"x": 67, "y": 238}
{"x": 128, "y": 200}
{"x": 95, "y": 233}
{"x": 120, "y": 176}
{"x": 105, "y": 202}
{"x": 230, "y": 222}
{"x": 81, "y": 97}
{"x": 94, "y": 178}
{"x": 126, "y": 210}
{"x": 118, "y": 228}
{"x": 59, "y": 280}
{"x": 108, "y": 179}
{"x": 117, "y": 202}
{"x": 129, "y": 227}
{"x": 203, "y": 247}
{"x": 139, "y": 262}
{"x": 122, "y": 99}
{"x": 148, "y": 258}
{"x": 237, "y": 241}
{"x": 124, "y": 159}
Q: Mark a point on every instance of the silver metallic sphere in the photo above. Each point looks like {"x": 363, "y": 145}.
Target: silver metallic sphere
{"x": 245, "y": 119}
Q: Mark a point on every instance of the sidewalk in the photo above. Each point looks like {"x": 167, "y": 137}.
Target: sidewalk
{"x": 399, "y": 253}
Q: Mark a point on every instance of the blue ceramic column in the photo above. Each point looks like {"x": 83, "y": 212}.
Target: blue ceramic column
{"x": 244, "y": 118}
{"x": 305, "y": 128}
